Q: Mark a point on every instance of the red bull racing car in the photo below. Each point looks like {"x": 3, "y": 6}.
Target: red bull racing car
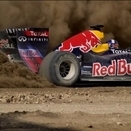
{"x": 80, "y": 58}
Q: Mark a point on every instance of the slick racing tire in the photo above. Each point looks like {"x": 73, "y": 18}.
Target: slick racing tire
{"x": 60, "y": 68}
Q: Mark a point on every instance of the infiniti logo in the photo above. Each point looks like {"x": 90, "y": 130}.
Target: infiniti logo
{"x": 22, "y": 38}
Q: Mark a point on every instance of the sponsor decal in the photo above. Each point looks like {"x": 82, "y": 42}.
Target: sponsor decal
{"x": 118, "y": 51}
{"x": 37, "y": 39}
{"x": 84, "y": 41}
{"x": 4, "y": 43}
{"x": 33, "y": 33}
{"x": 87, "y": 66}
{"x": 32, "y": 36}
{"x": 119, "y": 68}
{"x": 22, "y": 39}
{"x": 29, "y": 53}
{"x": 14, "y": 30}
{"x": 9, "y": 46}
{"x": 85, "y": 72}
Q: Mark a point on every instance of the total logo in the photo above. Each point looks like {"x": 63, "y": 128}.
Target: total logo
{"x": 117, "y": 51}
{"x": 117, "y": 68}
{"x": 22, "y": 39}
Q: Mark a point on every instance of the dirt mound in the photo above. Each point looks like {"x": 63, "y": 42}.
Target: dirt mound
{"x": 16, "y": 75}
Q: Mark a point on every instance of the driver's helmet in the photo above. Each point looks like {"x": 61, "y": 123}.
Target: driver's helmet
{"x": 113, "y": 44}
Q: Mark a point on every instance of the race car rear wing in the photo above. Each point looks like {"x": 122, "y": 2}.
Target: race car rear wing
{"x": 30, "y": 43}
{"x": 32, "y": 46}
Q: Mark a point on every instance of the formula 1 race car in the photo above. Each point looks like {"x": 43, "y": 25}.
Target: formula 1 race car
{"x": 78, "y": 58}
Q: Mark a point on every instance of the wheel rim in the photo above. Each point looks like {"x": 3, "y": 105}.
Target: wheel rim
{"x": 67, "y": 70}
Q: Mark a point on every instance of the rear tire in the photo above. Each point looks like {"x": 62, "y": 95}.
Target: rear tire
{"x": 60, "y": 68}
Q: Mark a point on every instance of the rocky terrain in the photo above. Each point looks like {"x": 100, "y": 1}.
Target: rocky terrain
{"x": 64, "y": 109}
{"x": 30, "y": 103}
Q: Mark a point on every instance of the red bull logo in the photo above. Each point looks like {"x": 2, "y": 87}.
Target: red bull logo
{"x": 85, "y": 41}
{"x": 29, "y": 53}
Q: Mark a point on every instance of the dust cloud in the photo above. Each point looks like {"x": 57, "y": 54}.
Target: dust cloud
{"x": 66, "y": 18}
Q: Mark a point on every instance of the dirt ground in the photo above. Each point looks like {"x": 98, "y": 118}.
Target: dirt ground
{"x": 64, "y": 109}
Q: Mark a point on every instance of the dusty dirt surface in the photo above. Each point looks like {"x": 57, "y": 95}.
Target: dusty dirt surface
{"x": 30, "y": 103}
{"x": 64, "y": 109}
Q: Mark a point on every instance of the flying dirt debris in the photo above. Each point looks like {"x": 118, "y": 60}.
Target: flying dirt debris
{"x": 16, "y": 75}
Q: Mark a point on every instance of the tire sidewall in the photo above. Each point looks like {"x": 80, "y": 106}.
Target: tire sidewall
{"x": 57, "y": 78}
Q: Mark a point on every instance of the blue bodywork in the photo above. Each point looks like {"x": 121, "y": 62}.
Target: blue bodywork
{"x": 106, "y": 59}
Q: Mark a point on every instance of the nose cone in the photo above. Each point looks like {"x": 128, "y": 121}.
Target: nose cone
{"x": 99, "y": 34}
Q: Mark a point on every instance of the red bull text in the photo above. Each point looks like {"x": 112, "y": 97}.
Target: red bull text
{"x": 85, "y": 41}
{"x": 29, "y": 53}
{"x": 117, "y": 68}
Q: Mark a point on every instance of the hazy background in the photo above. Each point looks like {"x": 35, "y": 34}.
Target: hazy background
{"x": 65, "y": 18}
